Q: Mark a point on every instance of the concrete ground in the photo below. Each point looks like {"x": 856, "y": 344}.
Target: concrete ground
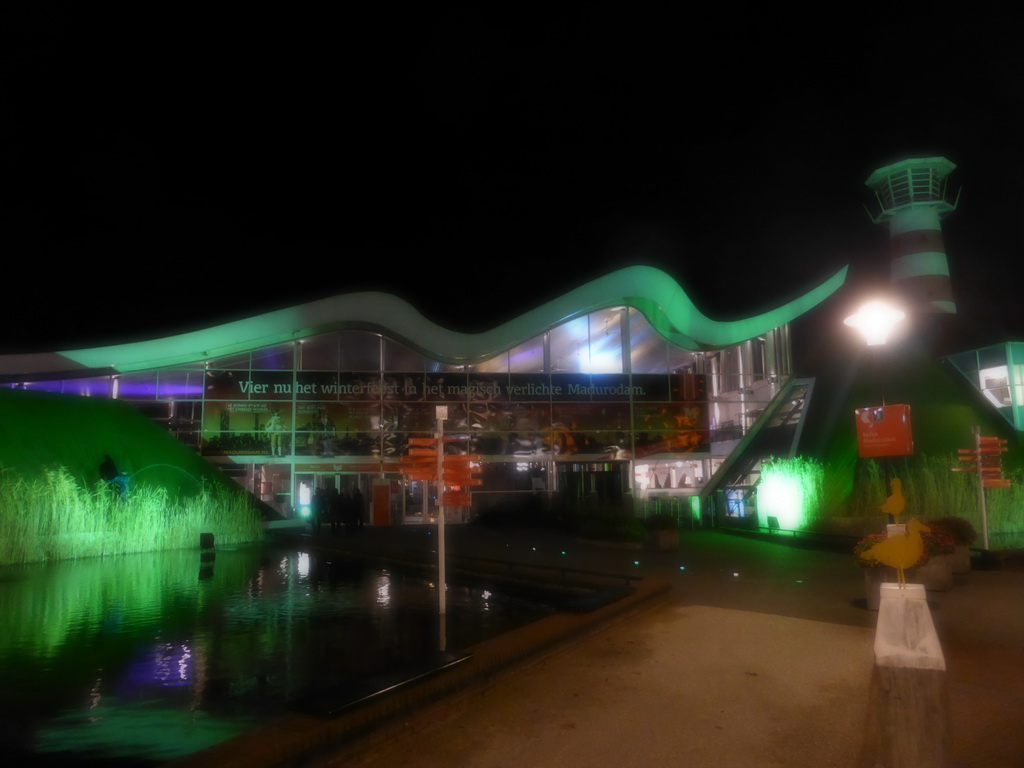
{"x": 761, "y": 656}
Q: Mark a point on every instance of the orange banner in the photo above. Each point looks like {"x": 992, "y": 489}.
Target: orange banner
{"x": 884, "y": 431}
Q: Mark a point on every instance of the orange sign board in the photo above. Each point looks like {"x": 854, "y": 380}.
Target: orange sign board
{"x": 457, "y": 499}
{"x": 884, "y": 431}
{"x": 986, "y": 460}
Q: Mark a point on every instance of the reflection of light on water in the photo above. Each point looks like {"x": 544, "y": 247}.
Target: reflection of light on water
{"x": 201, "y": 677}
{"x": 94, "y": 697}
{"x": 172, "y": 664}
{"x": 210, "y": 659}
{"x": 384, "y": 589}
{"x": 161, "y": 654}
{"x": 183, "y": 663}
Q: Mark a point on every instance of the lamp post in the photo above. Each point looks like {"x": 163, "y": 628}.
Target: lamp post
{"x": 876, "y": 437}
{"x": 876, "y": 321}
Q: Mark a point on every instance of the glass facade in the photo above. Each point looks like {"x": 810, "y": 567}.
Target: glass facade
{"x": 602, "y": 392}
{"x": 998, "y": 373}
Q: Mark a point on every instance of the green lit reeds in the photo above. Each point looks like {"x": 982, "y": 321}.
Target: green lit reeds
{"x": 811, "y": 495}
{"x": 792, "y": 491}
{"x": 56, "y": 518}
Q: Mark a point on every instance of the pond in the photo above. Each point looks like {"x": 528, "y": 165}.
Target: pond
{"x": 140, "y": 659}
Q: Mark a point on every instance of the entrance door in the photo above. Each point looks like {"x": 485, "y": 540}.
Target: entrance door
{"x": 345, "y": 483}
{"x": 593, "y": 481}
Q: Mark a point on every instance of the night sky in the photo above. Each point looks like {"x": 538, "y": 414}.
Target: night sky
{"x": 167, "y": 167}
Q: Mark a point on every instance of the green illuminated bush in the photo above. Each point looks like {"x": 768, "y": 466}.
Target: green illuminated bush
{"x": 54, "y": 517}
{"x": 792, "y": 490}
{"x": 804, "y": 493}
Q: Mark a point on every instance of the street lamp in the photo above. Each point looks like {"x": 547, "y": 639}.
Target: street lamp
{"x": 875, "y": 321}
{"x": 876, "y": 436}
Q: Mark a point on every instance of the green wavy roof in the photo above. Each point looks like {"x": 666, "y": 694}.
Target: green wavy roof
{"x": 651, "y": 291}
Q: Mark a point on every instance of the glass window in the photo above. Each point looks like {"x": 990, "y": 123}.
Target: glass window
{"x": 570, "y": 346}
{"x": 757, "y": 359}
{"x": 995, "y": 385}
{"x": 966, "y": 362}
{"x": 729, "y": 360}
{"x": 359, "y": 351}
{"x": 92, "y": 387}
{"x": 1018, "y": 385}
{"x": 137, "y": 386}
{"x": 682, "y": 360}
{"x": 648, "y": 353}
{"x": 606, "y": 341}
{"x": 528, "y": 357}
{"x": 319, "y": 353}
{"x": 990, "y": 357}
{"x": 497, "y": 364}
{"x": 56, "y": 386}
{"x": 276, "y": 358}
{"x": 180, "y": 385}
{"x": 435, "y": 366}
{"x": 398, "y": 357}
{"x": 238, "y": 362}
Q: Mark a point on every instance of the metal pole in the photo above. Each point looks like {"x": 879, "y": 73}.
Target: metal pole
{"x": 442, "y": 412}
{"x": 981, "y": 488}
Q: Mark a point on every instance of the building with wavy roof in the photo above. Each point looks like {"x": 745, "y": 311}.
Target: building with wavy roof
{"x": 619, "y": 387}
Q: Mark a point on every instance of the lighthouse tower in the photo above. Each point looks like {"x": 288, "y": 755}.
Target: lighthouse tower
{"x": 912, "y": 197}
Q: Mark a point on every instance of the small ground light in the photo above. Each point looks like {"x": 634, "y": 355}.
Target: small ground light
{"x": 735, "y": 573}
{"x": 682, "y": 567}
{"x": 636, "y": 562}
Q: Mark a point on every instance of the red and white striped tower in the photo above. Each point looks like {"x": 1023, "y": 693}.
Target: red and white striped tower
{"x": 912, "y": 196}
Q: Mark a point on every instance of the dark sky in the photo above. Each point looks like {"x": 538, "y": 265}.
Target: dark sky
{"x": 164, "y": 167}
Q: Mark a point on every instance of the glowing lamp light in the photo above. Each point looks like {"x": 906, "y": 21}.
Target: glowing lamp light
{"x": 875, "y": 320}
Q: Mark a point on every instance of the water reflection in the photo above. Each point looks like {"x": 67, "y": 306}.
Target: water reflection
{"x": 154, "y": 656}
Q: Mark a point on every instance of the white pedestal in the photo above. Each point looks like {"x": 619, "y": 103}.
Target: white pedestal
{"x": 908, "y": 709}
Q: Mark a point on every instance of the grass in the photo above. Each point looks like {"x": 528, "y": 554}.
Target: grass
{"x": 55, "y": 517}
{"x": 40, "y": 431}
{"x": 817, "y": 494}
{"x": 932, "y": 490}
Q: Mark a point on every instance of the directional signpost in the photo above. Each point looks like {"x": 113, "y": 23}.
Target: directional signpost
{"x": 985, "y": 459}
{"x": 426, "y": 461}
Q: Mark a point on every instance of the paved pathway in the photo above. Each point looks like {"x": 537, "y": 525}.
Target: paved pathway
{"x": 762, "y": 657}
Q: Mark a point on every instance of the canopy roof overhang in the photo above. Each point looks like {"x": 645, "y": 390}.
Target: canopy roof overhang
{"x": 650, "y": 291}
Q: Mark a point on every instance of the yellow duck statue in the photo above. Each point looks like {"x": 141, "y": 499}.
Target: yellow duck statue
{"x": 895, "y": 504}
{"x": 901, "y": 551}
